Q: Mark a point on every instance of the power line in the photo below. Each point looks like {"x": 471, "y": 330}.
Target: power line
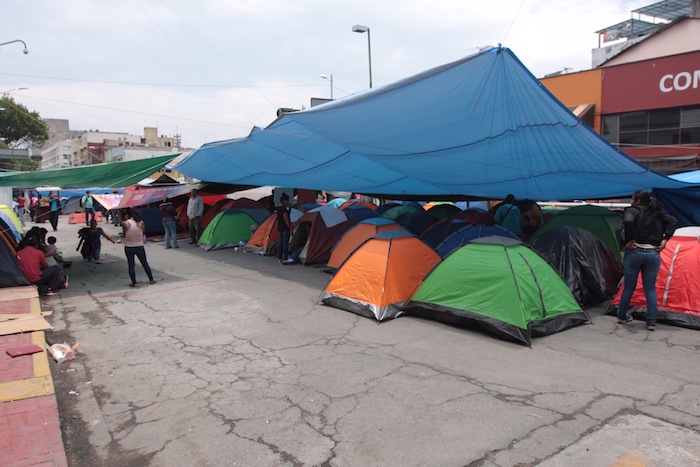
{"x": 126, "y": 83}
{"x": 137, "y": 112}
{"x": 513, "y": 22}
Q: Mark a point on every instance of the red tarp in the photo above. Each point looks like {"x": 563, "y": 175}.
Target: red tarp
{"x": 139, "y": 195}
{"x": 108, "y": 201}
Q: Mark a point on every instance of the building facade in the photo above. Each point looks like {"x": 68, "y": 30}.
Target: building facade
{"x": 644, "y": 97}
{"x": 68, "y": 148}
{"x": 56, "y": 156}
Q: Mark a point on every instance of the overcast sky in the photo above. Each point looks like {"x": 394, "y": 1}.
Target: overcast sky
{"x": 211, "y": 69}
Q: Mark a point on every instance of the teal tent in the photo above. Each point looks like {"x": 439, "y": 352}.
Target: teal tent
{"x": 499, "y": 285}
{"x": 227, "y": 229}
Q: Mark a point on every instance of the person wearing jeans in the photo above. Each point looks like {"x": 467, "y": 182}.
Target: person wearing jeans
{"x": 169, "y": 215}
{"x": 646, "y": 229}
{"x": 88, "y": 203}
{"x": 133, "y": 246}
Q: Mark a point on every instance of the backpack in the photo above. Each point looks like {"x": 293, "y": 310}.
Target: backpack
{"x": 85, "y": 244}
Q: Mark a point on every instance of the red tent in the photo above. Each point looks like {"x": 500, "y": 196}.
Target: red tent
{"x": 317, "y": 231}
{"x": 678, "y": 282}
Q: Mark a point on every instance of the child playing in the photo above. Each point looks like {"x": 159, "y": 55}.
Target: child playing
{"x": 53, "y": 256}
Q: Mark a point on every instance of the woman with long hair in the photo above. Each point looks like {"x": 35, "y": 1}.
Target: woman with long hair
{"x": 134, "y": 233}
{"x": 646, "y": 229}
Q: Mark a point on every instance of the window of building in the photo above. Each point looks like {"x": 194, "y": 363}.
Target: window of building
{"x": 663, "y": 127}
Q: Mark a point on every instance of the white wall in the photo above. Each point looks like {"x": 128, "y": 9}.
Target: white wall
{"x": 6, "y": 196}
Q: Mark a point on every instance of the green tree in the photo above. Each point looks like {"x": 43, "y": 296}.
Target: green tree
{"x": 20, "y": 127}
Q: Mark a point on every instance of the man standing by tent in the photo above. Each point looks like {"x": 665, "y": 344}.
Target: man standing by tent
{"x": 509, "y": 217}
{"x": 195, "y": 211}
{"x": 284, "y": 227}
{"x": 88, "y": 202}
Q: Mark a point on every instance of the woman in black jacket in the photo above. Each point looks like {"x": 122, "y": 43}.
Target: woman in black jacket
{"x": 646, "y": 228}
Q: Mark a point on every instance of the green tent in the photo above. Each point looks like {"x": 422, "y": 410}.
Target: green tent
{"x": 499, "y": 285}
{"x": 601, "y": 222}
{"x": 227, "y": 229}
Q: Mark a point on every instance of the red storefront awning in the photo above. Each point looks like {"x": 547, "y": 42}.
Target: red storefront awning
{"x": 667, "y": 160}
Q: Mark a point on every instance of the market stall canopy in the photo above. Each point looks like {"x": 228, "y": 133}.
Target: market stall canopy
{"x": 138, "y": 195}
{"x": 108, "y": 175}
{"x": 480, "y": 127}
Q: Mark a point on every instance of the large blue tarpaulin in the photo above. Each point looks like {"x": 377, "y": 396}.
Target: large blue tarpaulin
{"x": 482, "y": 127}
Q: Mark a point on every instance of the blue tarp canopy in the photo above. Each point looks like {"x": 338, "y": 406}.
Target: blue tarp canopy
{"x": 480, "y": 127}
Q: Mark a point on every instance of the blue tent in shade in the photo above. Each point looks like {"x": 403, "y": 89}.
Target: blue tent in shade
{"x": 482, "y": 126}
{"x": 468, "y": 233}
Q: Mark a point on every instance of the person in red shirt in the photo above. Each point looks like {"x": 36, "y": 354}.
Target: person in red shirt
{"x": 33, "y": 264}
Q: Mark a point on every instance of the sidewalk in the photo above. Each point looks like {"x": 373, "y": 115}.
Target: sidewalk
{"x": 30, "y": 433}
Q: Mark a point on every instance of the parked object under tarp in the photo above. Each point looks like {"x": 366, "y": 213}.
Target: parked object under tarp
{"x": 590, "y": 269}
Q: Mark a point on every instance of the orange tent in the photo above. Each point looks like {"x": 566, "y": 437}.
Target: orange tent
{"x": 266, "y": 236}
{"x": 678, "y": 282}
{"x": 381, "y": 275}
{"x": 355, "y": 237}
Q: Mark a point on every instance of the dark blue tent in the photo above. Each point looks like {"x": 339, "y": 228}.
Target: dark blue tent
{"x": 415, "y": 220}
{"x": 152, "y": 220}
{"x": 683, "y": 204}
{"x": 438, "y": 233}
{"x": 482, "y": 126}
{"x": 359, "y": 213}
{"x": 467, "y": 234}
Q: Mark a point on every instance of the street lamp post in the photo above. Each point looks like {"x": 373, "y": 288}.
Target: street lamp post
{"x": 361, "y": 29}
{"x": 331, "y": 80}
{"x": 26, "y": 50}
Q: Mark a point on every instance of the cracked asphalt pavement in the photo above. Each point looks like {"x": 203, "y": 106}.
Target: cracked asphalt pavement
{"x": 229, "y": 360}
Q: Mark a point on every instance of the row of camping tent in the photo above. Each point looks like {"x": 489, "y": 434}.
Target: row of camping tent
{"x": 501, "y": 285}
{"x": 575, "y": 248}
{"x": 378, "y": 264}
{"x": 578, "y": 241}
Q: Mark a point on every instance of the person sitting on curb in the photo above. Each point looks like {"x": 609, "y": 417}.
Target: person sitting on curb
{"x": 33, "y": 264}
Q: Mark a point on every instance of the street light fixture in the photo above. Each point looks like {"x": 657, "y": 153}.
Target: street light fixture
{"x": 5, "y": 93}
{"x": 26, "y": 50}
{"x": 362, "y": 29}
{"x": 331, "y": 80}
